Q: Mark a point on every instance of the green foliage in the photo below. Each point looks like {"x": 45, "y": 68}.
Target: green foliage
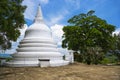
{"x": 105, "y": 61}
{"x": 110, "y": 60}
{"x": 93, "y": 55}
{"x": 8, "y": 59}
{"x": 86, "y": 32}
{"x": 116, "y": 50}
{"x": 118, "y": 42}
{"x": 11, "y": 19}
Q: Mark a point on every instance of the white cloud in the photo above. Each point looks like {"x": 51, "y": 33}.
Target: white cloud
{"x": 44, "y": 1}
{"x": 56, "y": 18}
{"x": 30, "y": 10}
{"x": 22, "y": 31}
{"x": 57, "y": 33}
{"x": 117, "y": 31}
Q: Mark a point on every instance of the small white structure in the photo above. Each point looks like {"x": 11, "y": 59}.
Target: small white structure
{"x": 37, "y": 48}
{"x": 69, "y": 56}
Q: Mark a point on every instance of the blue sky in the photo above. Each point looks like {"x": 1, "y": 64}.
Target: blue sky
{"x": 57, "y": 12}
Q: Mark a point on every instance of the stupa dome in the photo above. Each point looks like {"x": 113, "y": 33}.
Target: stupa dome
{"x": 38, "y": 30}
{"x": 37, "y": 44}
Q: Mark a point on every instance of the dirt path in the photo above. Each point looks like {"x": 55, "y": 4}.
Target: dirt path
{"x": 70, "y": 72}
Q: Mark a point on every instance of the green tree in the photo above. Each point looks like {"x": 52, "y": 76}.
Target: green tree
{"x": 118, "y": 41}
{"x": 11, "y": 19}
{"x": 116, "y": 50}
{"x": 86, "y": 32}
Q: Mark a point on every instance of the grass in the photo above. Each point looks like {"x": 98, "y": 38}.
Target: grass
{"x": 75, "y": 71}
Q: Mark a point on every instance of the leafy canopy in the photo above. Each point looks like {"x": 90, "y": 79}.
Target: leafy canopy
{"x": 11, "y": 19}
{"x": 87, "y": 33}
{"x": 87, "y": 30}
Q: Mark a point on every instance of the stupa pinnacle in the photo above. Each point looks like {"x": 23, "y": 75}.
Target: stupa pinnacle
{"x": 37, "y": 48}
{"x": 39, "y": 17}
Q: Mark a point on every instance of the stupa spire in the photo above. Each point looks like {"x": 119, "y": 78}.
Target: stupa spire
{"x": 39, "y": 17}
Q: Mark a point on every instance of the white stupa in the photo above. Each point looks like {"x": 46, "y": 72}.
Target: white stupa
{"x": 37, "y": 48}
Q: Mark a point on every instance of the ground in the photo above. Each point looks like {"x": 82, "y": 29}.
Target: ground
{"x": 75, "y": 71}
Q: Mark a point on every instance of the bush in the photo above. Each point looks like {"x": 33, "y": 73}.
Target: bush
{"x": 109, "y": 60}
{"x": 105, "y": 61}
{"x": 78, "y": 57}
{"x": 92, "y": 55}
{"x": 8, "y": 59}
